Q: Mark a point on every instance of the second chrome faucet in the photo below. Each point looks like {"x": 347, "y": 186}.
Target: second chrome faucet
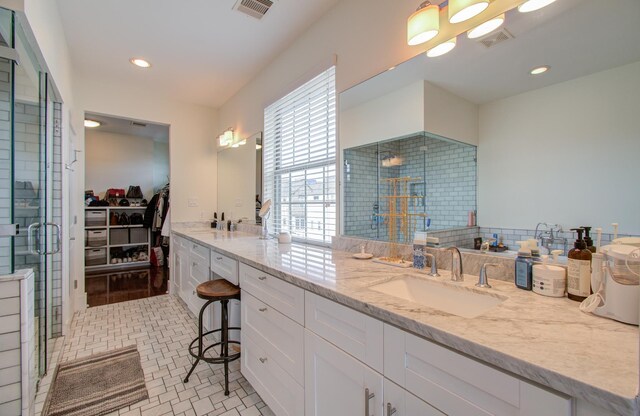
{"x": 456, "y": 272}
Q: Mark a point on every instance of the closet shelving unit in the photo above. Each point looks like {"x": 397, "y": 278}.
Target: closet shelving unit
{"x": 101, "y": 255}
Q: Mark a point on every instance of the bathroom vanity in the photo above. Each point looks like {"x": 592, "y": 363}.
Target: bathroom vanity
{"x": 322, "y": 335}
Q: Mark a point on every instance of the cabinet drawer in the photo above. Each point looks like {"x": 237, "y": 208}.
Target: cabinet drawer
{"x": 354, "y": 332}
{"x": 278, "y": 389}
{"x": 279, "y": 336}
{"x": 194, "y": 303}
{"x": 199, "y": 253}
{"x": 225, "y": 267}
{"x": 405, "y": 403}
{"x": 284, "y": 297}
{"x": 198, "y": 270}
{"x": 456, "y": 384}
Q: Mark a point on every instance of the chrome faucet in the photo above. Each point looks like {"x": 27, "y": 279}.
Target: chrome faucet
{"x": 434, "y": 267}
{"x": 456, "y": 272}
{"x": 483, "y": 280}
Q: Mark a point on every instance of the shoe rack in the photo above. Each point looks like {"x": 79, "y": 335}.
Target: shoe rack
{"x": 115, "y": 246}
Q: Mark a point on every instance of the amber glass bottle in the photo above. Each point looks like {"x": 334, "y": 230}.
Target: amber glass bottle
{"x": 579, "y": 269}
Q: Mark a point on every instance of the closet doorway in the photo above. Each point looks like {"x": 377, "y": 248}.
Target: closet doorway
{"x": 126, "y": 206}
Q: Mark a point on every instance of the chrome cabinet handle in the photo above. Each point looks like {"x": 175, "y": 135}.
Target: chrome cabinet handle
{"x": 390, "y": 410}
{"x": 219, "y": 258}
{"x": 262, "y": 309}
{"x": 262, "y": 278}
{"x": 263, "y": 360}
{"x": 367, "y": 398}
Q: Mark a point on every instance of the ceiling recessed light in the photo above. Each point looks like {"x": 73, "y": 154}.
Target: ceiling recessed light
{"x": 442, "y": 48}
{"x": 140, "y": 62}
{"x": 91, "y": 123}
{"x": 532, "y": 5}
{"x": 487, "y": 27}
{"x": 539, "y": 70}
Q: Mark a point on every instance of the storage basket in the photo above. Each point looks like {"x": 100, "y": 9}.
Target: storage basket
{"x": 96, "y": 238}
{"x": 118, "y": 236}
{"x": 95, "y": 218}
{"x": 95, "y": 257}
{"x": 138, "y": 235}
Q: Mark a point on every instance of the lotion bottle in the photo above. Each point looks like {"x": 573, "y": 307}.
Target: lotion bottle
{"x": 524, "y": 264}
{"x": 579, "y": 269}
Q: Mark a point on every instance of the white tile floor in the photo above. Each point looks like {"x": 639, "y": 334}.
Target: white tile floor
{"x": 162, "y": 329}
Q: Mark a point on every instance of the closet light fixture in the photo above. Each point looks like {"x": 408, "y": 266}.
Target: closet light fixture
{"x": 258, "y": 146}
{"x": 486, "y": 27}
{"x": 442, "y": 48}
{"x": 91, "y": 123}
{"x": 533, "y": 5}
{"x": 424, "y": 24}
{"x": 539, "y": 70}
{"x": 140, "y": 62}
{"x": 461, "y": 10}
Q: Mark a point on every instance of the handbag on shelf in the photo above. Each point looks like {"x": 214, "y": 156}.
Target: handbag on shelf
{"x": 136, "y": 219}
{"x": 115, "y": 193}
{"x": 134, "y": 192}
{"x": 124, "y": 219}
{"x": 114, "y": 219}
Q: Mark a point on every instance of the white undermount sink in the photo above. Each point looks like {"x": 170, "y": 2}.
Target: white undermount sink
{"x": 458, "y": 301}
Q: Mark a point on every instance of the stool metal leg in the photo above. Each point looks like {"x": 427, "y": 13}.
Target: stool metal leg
{"x": 193, "y": 367}
{"x": 224, "y": 347}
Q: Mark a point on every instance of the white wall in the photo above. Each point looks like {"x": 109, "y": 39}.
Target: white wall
{"x": 449, "y": 115}
{"x": 396, "y": 114}
{"x": 192, "y": 139}
{"x": 118, "y": 161}
{"x": 568, "y": 154}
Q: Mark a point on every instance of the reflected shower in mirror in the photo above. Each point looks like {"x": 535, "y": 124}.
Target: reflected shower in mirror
{"x": 442, "y": 185}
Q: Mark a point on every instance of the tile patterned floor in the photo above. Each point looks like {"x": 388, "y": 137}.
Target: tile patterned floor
{"x": 162, "y": 329}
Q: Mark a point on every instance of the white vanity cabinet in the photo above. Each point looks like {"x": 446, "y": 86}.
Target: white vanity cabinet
{"x": 273, "y": 340}
{"x": 338, "y": 384}
{"x": 456, "y": 384}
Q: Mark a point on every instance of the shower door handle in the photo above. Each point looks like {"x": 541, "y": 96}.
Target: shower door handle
{"x": 58, "y": 235}
{"x": 32, "y": 243}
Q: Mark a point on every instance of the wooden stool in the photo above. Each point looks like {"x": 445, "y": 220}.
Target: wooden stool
{"x": 215, "y": 291}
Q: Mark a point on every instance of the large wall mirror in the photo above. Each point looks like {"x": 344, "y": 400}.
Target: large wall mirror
{"x": 560, "y": 147}
{"x": 240, "y": 179}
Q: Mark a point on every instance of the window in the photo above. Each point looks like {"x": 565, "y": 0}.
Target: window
{"x": 300, "y": 160}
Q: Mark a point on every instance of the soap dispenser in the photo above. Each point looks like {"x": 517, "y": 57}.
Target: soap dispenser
{"x": 524, "y": 263}
{"x": 579, "y": 269}
{"x": 588, "y": 240}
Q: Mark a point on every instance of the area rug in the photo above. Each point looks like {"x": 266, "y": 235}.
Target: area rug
{"x": 97, "y": 385}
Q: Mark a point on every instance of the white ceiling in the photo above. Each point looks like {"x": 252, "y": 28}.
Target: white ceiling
{"x": 202, "y": 51}
{"x": 574, "y": 37}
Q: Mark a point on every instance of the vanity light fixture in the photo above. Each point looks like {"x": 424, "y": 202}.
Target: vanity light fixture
{"x": 424, "y": 24}
{"x": 258, "y": 146}
{"x": 226, "y": 138}
{"x": 486, "y": 27}
{"x": 461, "y": 10}
{"x": 140, "y": 62}
{"x": 442, "y": 48}
{"x": 539, "y": 70}
{"x": 533, "y": 5}
{"x": 91, "y": 123}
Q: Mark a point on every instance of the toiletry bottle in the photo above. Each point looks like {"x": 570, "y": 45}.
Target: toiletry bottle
{"x": 524, "y": 263}
{"x": 535, "y": 250}
{"x": 579, "y": 269}
{"x": 495, "y": 240}
{"x": 588, "y": 240}
{"x": 419, "y": 243}
{"x": 214, "y": 223}
{"x": 550, "y": 280}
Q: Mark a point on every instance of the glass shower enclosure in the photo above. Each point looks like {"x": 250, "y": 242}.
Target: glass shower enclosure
{"x": 29, "y": 236}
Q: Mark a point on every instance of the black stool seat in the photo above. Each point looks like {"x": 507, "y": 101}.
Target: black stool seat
{"x": 215, "y": 291}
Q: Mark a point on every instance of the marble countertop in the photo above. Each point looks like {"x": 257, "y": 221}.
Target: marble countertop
{"x": 546, "y": 340}
{"x": 18, "y": 275}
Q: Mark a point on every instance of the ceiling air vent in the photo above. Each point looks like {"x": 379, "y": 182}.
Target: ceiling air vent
{"x": 254, "y": 8}
{"x": 494, "y": 38}
{"x": 138, "y": 124}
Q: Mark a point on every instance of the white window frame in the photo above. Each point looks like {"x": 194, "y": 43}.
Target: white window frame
{"x": 309, "y": 150}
